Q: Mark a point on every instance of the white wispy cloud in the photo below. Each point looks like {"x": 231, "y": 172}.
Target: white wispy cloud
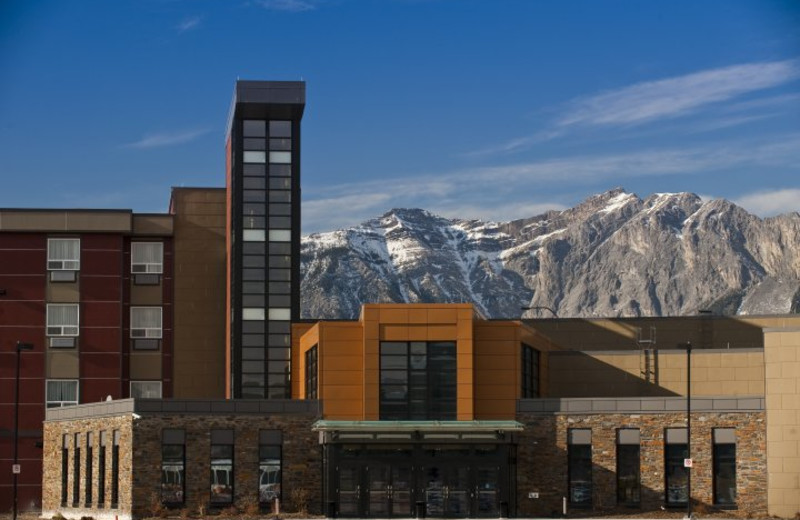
{"x": 294, "y": 6}
{"x": 771, "y": 203}
{"x": 188, "y": 24}
{"x": 503, "y": 192}
{"x": 669, "y": 98}
{"x": 672, "y": 97}
{"x": 158, "y": 140}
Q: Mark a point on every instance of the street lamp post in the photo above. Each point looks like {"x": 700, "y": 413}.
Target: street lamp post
{"x": 20, "y": 347}
{"x": 688, "y": 347}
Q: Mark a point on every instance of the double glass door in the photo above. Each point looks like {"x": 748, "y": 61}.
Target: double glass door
{"x": 448, "y": 490}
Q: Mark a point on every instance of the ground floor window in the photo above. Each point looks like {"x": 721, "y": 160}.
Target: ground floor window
{"x": 724, "y": 466}
{"x": 269, "y": 467}
{"x": 676, "y": 475}
{"x": 579, "y": 453}
{"x": 628, "y": 455}
{"x": 101, "y": 469}
{"x": 173, "y": 467}
{"x": 64, "y": 468}
{"x": 221, "y": 467}
{"x": 115, "y": 469}
{"x": 76, "y": 471}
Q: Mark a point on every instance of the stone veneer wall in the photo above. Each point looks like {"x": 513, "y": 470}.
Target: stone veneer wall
{"x": 51, "y": 474}
{"x": 302, "y": 458}
{"x": 542, "y": 458}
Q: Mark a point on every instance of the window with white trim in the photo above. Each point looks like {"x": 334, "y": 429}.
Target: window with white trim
{"x": 146, "y": 322}
{"x": 146, "y": 389}
{"x": 61, "y": 392}
{"x": 147, "y": 257}
{"x": 63, "y": 254}
{"x": 62, "y": 319}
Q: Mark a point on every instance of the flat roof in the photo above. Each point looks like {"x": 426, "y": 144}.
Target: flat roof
{"x": 261, "y": 99}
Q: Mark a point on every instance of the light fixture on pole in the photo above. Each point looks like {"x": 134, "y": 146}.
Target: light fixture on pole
{"x": 687, "y": 462}
{"x": 16, "y": 468}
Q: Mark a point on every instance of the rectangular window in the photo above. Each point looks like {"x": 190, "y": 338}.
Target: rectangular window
{"x": 269, "y": 467}
{"x": 676, "y": 476}
{"x": 61, "y": 392}
{"x": 173, "y": 467}
{"x": 254, "y": 128}
{"x": 63, "y": 254}
{"x": 724, "y": 467}
{"x": 146, "y": 322}
{"x": 418, "y": 380}
{"x": 254, "y": 235}
{"x": 88, "y": 476}
{"x": 115, "y": 469}
{"x": 628, "y": 473}
{"x": 311, "y": 373}
{"x": 255, "y": 157}
{"x": 76, "y": 471}
{"x": 579, "y": 453}
{"x": 146, "y": 389}
{"x": 530, "y": 372}
{"x": 101, "y": 469}
{"x": 147, "y": 257}
{"x": 64, "y": 468}
{"x": 253, "y": 314}
{"x": 63, "y": 319}
{"x": 279, "y": 314}
{"x": 221, "y": 467}
{"x": 280, "y": 128}
{"x": 280, "y": 235}
{"x": 280, "y": 157}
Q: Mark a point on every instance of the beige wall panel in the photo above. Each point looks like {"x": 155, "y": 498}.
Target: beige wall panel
{"x": 62, "y": 365}
{"x": 145, "y": 365}
{"x": 63, "y": 292}
{"x": 153, "y": 225}
{"x": 146, "y": 294}
{"x": 782, "y": 348}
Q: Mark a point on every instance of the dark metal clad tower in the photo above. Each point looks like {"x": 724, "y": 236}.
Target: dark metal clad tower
{"x": 263, "y": 235}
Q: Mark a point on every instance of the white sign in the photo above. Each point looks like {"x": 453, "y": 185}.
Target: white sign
{"x": 687, "y": 463}
{"x": 533, "y": 494}
{"x": 16, "y": 469}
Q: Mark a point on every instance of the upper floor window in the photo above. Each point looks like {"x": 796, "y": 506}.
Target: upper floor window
{"x": 530, "y": 372}
{"x": 62, "y": 319}
{"x": 146, "y": 322}
{"x": 147, "y": 257}
{"x": 63, "y": 254}
{"x": 146, "y": 389}
{"x": 418, "y": 380}
{"x": 61, "y": 392}
{"x": 311, "y": 373}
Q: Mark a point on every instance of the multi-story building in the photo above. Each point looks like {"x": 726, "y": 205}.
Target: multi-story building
{"x": 423, "y": 409}
{"x": 91, "y": 292}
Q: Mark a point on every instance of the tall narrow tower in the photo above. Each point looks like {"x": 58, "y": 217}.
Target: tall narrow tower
{"x": 263, "y": 236}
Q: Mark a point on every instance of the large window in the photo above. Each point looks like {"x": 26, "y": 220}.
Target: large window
{"x": 579, "y": 453}
{"x": 530, "y": 372}
{"x": 63, "y": 254}
{"x": 101, "y": 469}
{"x": 61, "y": 392}
{"x": 311, "y": 373}
{"x": 147, "y": 262}
{"x": 269, "y": 467}
{"x": 173, "y": 467}
{"x": 115, "y": 469}
{"x": 221, "y": 467}
{"x": 724, "y": 467}
{"x": 62, "y": 319}
{"x": 676, "y": 476}
{"x": 64, "y": 468}
{"x": 146, "y": 389}
{"x": 76, "y": 471}
{"x": 87, "y": 484}
{"x": 628, "y": 481}
{"x": 418, "y": 380}
{"x": 145, "y": 328}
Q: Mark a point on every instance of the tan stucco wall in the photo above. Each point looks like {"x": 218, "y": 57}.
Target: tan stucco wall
{"x": 782, "y": 366}
{"x": 660, "y": 372}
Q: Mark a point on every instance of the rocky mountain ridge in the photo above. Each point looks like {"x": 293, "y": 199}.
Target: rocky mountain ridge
{"x": 614, "y": 254}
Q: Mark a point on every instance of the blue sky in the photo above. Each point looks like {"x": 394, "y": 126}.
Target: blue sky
{"x": 493, "y": 109}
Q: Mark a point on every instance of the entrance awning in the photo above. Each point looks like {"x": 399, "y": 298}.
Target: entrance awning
{"x": 416, "y": 431}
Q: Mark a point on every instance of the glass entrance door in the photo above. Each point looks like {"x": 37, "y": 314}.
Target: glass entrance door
{"x": 487, "y": 495}
{"x": 349, "y": 491}
{"x": 447, "y": 491}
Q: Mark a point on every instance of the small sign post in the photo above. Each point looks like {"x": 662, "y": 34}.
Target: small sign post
{"x": 16, "y": 469}
{"x": 687, "y": 463}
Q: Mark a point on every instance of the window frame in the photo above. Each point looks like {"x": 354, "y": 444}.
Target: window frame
{"x": 717, "y": 460}
{"x": 146, "y": 330}
{"x": 219, "y": 492}
{"x": 62, "y": 403}
{"x": 139, "y": 382}
{"x": 623, "y": 446}
{"x": 149, "y": 267}
{"x": 75, "y": 264}
{"x": 171, "y": 438}
{"x": 312, "y": 372}
{"x": 576, "y": 452}
{"x": 270, "y": 439}
{"x": 63, "y": 334}
{"x": 531, "y": 363}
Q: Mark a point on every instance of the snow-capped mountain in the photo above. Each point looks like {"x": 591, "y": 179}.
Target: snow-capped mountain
{"x": 612, "y": 255}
